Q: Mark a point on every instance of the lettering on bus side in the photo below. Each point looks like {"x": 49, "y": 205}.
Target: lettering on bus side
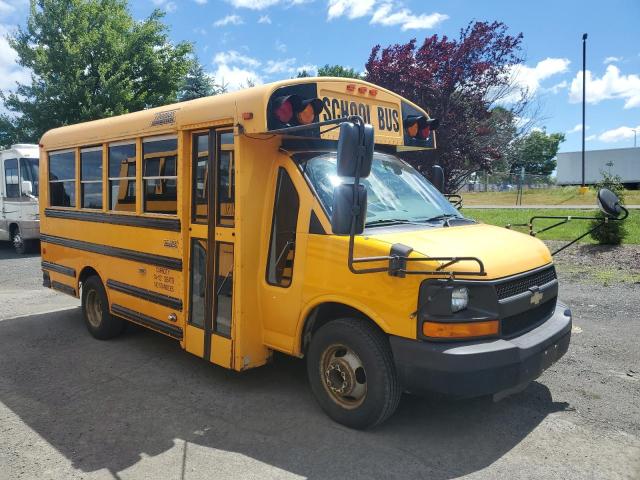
{"x": 386, "y": 119}
{"x": 164, "y": 280}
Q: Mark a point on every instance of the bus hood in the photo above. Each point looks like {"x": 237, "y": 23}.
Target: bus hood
{"x": 504, "y": 252}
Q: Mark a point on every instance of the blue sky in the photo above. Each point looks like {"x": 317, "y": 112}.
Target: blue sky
{"x": 267, "y": 40}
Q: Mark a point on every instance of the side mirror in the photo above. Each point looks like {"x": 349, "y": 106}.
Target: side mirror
{"x": 609, "y": 203}
{"x": 27, "y": 187}
{"x": 343, "y": 206}
{"x": 437, "y": 177}
{"x": 351, "y": 146}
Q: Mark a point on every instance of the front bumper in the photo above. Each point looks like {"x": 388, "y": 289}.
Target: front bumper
{"x": 482, "y": 367}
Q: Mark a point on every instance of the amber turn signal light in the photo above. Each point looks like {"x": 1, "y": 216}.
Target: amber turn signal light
{"x": 460, "y": 330}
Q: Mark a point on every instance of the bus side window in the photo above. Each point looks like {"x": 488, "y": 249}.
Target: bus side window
{"x": 62, "y": 179}
{"x": 283, "y": 232}
{"x": 159, "y": 175}
{"x": 122, "y": 177}
{"x": 91, "y": 177}
{"x": 12, "y": 188}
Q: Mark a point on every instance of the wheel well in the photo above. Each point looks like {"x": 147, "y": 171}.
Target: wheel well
{"x": 323, "y": 314}
{"x": 13, "y": 227}
{"x": 86, "y": 273}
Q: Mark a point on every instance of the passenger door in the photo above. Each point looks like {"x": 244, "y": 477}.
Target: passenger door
{"x": 209, "y": 327}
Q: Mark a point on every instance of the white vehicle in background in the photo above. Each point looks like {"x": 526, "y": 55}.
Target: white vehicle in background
{"x": 19, "y": 214}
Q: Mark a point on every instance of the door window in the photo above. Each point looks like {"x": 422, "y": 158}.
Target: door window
{"x": 283, "y": 232}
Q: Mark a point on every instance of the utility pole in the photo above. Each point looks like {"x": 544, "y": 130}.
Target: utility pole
{"x": 583, "y": 188}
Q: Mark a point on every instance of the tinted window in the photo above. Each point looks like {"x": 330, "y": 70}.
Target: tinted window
{"x": 200, "y": 167}
{"x": 91, "y": 178}
{"x": 159, "y": 175}
{"x": 122, "y": 177}
{"x": 12, "y": 187}
{"x": 198, "y": 282}
{"x": 224, "y": 288}
{"x": 29, "y": 171}
{"x": 283, "y": 232}
{"x": 62, "y": 174}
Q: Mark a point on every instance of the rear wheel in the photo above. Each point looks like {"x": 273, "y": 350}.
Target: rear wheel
{"x": 352, "y": 374}
{"x": 95, "y": 310}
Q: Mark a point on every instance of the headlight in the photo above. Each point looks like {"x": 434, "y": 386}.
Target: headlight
{"x": 459, "y": 299}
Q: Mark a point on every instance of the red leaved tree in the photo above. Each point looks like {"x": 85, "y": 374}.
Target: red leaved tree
{"x": 459, "y": 81}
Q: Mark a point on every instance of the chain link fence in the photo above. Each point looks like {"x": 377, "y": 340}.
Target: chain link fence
{"x": 506, "y": 182}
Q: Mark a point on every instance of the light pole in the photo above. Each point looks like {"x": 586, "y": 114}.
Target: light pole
{"x": 583, "y": 188}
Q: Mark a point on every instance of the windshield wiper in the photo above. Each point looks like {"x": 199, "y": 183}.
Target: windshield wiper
{"x": 445, "y": 217}
{"x": 391, "y": 221}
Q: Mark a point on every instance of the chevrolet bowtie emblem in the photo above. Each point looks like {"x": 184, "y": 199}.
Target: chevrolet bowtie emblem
{"x": 536, "y": 297}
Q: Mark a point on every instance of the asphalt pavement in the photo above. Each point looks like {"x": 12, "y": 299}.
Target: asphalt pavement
{"x": 140, "y": 407}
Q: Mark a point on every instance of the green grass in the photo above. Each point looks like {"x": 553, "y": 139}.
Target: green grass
{"x": 548, "y": 196}
{"x": 569, "y": 231}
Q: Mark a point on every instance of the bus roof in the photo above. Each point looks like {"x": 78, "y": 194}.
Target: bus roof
{"x": 228, "y": 109}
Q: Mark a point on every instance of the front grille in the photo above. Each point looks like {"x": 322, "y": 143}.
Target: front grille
{"x": 527, "y": 320}
{"x": 520, "y": 285}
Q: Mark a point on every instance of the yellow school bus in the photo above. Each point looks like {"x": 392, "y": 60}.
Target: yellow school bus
{"x": 280, "y": 219}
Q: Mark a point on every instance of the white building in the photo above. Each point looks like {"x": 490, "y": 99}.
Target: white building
{"x": 624, "y": 162}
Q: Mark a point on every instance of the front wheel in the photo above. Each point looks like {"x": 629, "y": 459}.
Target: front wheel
{"x": 18, "y": 242}
{"x": 352, "y": 374}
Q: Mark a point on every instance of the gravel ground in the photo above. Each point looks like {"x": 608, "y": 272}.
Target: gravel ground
{"x": 139, "y": 407}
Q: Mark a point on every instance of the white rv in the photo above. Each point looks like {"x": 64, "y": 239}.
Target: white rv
{"x": 19, "y": 215}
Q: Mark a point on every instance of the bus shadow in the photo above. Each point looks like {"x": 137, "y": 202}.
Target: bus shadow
{"x": 7, "y": 252}
{"x": 107, "y": 405}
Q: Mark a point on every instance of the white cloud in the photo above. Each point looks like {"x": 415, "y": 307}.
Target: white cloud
{"x": 228, "y": 20}
{"x": 235, "y": 78}
{"x": 200, "y": 2}
{"x": 10, "y": 71}
{"x": 200, "y": 31}
{"x": 557, "y": 87}
{"x": 612, "y": 85}
{"x": 264, "y": 19}
{"x": 527, "y": 80}
{"x": 235, "y": 70}
{"x": 577, "y": 128}
{"x": 387, "y": 13}
{"x": 10, "y": 6}
{"x": 351, "y": 8}
{"x": 618, "y": 134}
{"x": 590, "y": 138}
{"x": 309, "y": 68}
{"x": 280, "y": 66}
{"x": 612, "y": 60}
{"x": 262, "y": 4}
{"x": 232, "y": 56}
{"x": 281, "y": 47}
{"x": 167, "y": 5}
{"x": 384, "y": 15}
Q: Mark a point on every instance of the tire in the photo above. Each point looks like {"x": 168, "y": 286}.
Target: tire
{"x": 19, "y": 244}
{"x": 337, "y": 353}
{"x": 95, "y": 311}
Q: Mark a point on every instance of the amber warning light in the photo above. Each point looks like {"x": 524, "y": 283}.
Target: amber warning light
{"x": 419, "y": 127}
{"x": 293, "y": 110}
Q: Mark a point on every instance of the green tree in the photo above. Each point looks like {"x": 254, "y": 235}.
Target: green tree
{"x": 611, "y": 233}
{"x": 535, "y": 152}
{"x": 331, "y": 71}
{"x": 198, "y": 84}
{"x": 90, "y": 59}
{"x": 338, "y": 71}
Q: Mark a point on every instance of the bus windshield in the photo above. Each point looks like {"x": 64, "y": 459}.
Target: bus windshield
{"x": 396, "y": 191}
{"x": 29, "y": 172}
